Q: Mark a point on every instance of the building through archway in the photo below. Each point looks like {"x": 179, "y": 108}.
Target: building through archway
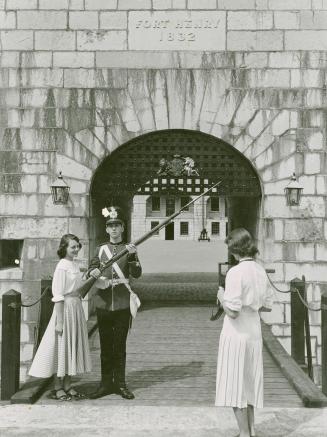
{"x": 153, "y": 175}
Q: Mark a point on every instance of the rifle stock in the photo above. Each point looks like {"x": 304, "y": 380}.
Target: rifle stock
{"x": 88, "y": 283}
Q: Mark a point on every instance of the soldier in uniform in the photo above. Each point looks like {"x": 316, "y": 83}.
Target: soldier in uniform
{"x": 113, "y": 305}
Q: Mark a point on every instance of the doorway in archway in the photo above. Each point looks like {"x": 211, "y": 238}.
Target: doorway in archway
{"x": 152, "y": 175}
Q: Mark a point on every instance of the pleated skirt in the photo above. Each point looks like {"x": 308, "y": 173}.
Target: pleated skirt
{"x": 240, "y": 365}
{"x": 68, "y": 353}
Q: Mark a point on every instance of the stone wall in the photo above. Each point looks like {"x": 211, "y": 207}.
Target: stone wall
{"x": 77, "y": 82}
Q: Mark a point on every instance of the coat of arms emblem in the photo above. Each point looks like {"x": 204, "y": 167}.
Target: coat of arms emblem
{"x": 178, "y": 166}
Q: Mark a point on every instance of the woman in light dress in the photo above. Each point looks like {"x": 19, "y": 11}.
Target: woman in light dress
{"x": 247, "y": 291}
{"x": 64, "y": 349}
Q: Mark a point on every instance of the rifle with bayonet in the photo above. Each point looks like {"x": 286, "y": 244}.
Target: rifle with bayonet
{"x": 88, "y": 283}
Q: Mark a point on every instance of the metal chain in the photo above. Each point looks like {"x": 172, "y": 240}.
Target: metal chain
{"x": 322, "y": 307}
{"x": 15, "y": 305}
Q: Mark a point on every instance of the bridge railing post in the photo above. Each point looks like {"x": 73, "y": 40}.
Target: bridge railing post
{"x": 297, "y": 321}
{"x": 10, "y": 346}
{"x": 324, "y": 342}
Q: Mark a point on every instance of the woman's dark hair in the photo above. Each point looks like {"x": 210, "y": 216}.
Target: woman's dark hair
{"x": 240, "y": 242}
{"x": 62, "y": 251}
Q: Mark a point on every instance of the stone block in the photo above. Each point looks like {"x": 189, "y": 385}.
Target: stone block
{"x": 7, "y": 20}
{"x": 61, "y": 4}
{"x": 26, "y": 352}
{"x": 23, "y": 371}
{"x": 9, "y": 98}
{"x": 11, "y": 273}
{"x": 21, "y": 4}
{"x": 9, "y": 59}
{"x": 41, "y": 20}
{"x": 162, "y": 4}
{"x": 309, "y": 184}
{"x": 305, "y": 229}
{"x": 313, "y": 98}
{"x": 55, "y": 40}
{"x": 284, "y": 60}
{"x": 305, "y": 79}
{"x": 305, "y": 39}
{"x": 249, "y": 20}
{"x": 113, "y": 20}
{"x": 69, "y": 166}
{"x": 83, "y": 20}
{"x": 289, "y": 5}
{"x": 101, "y": 4}
{"x": 204, "y": 4}
{"x": 287, "y": 20}
{"x": 236, "y": 4}
{"x": 29, "y": 184}
{"x": 52, "y": 227}
{"x": 253, "y": 60}
{"x": 321, "y": 184}
{"x": 313, "y": 20}
{"x": 318, "y": 4}
{"x": 48, "y": 77}
{"x": 279, "y": 78}
{"x": 312, "y": 163}
{"x": 134, "y": 4}
{"x": 78, "y": 226}
{"x": 73, "y": 59}
{"x": 16, "y": 40}
{"x": 36, "y": 60}
{"x": 265, "y": 40}
{"x": 281, "y": 123}
{"x": 2, "y": 4}
{"x": 275, "y": 316}
{"x": 79, "y": 78}
{"x": 178, "y": 4}
{"x": 102, "y": 40}
{"x": 315, "y": 141}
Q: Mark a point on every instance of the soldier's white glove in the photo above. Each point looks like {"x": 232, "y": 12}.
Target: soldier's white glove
{"x": 131, "y": 248}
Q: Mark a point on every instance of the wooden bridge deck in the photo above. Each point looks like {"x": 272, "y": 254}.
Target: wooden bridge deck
{"x": 172, "y": 357}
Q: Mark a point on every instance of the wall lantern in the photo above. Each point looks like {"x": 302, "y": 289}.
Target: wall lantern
{"x": 60, "y": 191}
{"x": 293, "y": 192}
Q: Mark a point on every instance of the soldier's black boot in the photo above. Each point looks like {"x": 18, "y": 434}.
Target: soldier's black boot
{"x": 105, "y": 388}
{"x": 124, "y": 392}
{"x": 101, "y": 392}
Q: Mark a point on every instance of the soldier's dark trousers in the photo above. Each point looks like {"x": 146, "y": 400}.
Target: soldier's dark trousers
{"x": 113, "y": 329}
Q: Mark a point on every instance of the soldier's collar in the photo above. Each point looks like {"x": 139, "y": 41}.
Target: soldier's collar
{"x": 116, "y": 244}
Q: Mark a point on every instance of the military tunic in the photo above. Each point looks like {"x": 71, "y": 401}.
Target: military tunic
{"x": 113, "y": 313}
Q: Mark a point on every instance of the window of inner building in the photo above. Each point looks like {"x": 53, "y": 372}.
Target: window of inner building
{"x": 153, "y": 225}
{"x": 155, "y": 203}
{"x": 184, "y": 228}
{"x": 170, "y": 206}
{"x": 185, "y": 201}
{"x": 214, "y": 203}
{"x": 226, "y": 229}
{"x": 10, "y": 253}
{"x": 214, "y": 228}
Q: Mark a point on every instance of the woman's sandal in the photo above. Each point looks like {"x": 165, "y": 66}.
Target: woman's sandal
{"x": 74, "y": 394}
{"x": 54, "y": 394}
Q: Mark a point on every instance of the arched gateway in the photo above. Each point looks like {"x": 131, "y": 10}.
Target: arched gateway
{"x": 138, "y": 169}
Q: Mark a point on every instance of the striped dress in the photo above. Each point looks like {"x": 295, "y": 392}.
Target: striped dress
{"x": 240, "y": 367}
{"x": 68, "y": 353}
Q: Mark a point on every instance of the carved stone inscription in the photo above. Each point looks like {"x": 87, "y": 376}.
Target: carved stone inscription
{"x": 177, "y": 30}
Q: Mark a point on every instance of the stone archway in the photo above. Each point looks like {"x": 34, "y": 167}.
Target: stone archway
{"x": 129, "y": 167}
